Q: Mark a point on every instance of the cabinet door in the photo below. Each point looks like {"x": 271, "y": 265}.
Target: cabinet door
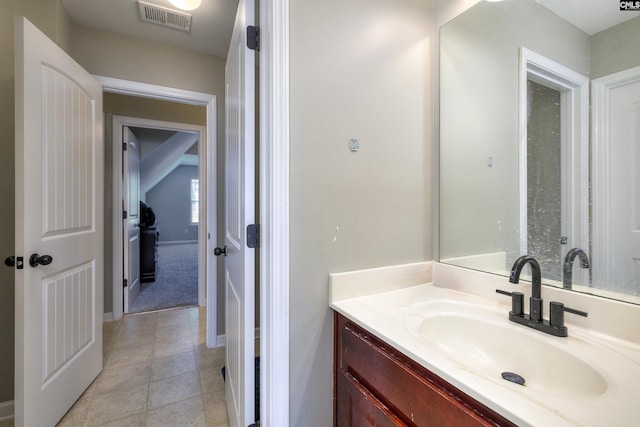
{"x": 357, "y": 407}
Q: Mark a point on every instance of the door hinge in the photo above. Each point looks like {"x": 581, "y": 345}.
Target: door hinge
{"x": 253, "y": 236}
{"x": 125, "y": 283}
{"x": 253, "y": 37}
{"x": 124, "y": 215}
{"x": 124, "y": 146}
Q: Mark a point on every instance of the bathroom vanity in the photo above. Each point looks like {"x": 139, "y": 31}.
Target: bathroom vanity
{"x": 378, "y": 383}
{"x": 429, "y": 344}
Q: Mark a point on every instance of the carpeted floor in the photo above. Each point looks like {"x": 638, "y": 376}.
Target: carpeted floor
{"x": 176, "y": 281}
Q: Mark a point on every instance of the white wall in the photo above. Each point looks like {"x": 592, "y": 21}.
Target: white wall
{"x": 359, "y": 69}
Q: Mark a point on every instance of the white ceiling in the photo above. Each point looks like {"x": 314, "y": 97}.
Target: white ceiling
{"x": 591, "y": 16}
{"x": 211, "y": 24}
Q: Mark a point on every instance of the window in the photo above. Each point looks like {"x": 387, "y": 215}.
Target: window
{"x": 195, "y": 201}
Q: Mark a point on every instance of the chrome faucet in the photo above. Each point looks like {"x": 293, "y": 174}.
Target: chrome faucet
{"x": 555, "y": 324}
{"x": 567, "y": 270}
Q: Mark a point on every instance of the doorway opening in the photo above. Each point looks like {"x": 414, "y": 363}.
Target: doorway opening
{"x": 162, "y": 200}
{"x": 207, "y": 229}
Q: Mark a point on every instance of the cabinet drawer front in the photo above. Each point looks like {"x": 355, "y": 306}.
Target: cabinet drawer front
{"x": 409, "y": 390}
{"x": 359, "y": 408}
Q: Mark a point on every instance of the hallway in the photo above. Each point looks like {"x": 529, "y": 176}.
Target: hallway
{"x": 157, "y": 372}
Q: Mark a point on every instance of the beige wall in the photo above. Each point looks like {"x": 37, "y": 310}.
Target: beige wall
{"x": 359, "y": 69}
{"x": 51, "y": 18}
{"x": 615, "y": 49}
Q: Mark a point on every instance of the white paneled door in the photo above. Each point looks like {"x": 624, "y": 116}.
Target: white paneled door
{"x": 240, "y": 213}
{"x": 59, "y": 229}
{"x": 616, "y": 182}
{"x": 131, "y": 224}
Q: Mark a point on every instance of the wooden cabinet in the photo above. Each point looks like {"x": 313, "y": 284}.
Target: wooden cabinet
{"x": 376, "y": 385}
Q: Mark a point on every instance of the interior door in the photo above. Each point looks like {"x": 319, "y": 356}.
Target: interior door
{"x": 59, "y": 229}
{"x": 131, "y": 224}
{"x": 616, "y": 250}
{"x": 240, "y": 206}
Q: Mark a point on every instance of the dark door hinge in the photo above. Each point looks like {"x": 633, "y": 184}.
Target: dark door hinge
{"x": 124, "y": 215}
{"x": 253, "y": 236}
{"x": 125, "y": 283}
{"x": 124, "y": 146}
{"x": 253, "y": 37}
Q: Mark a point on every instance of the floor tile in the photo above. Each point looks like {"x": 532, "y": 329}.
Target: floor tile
{"x": 189, "y": 412}
{"x": 116, "y": 404}
{"x": 137, "y": 420}
{"x": 211, "y": 380}
{"x": 174, "y": 389}
{"x": 115, "y": 378}
{"x": 172, "y": 366}
{"x": 129, "y": 356}
{"x": 215, "y": 409}
{"x": 171, "y": 347}
{"x": 171, "y": 333}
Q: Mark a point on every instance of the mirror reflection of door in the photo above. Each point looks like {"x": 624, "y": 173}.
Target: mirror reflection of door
{"x": 544, "y": 178}
{"x": 554, "y": 148}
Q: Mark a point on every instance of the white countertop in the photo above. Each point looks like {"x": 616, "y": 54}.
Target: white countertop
{"x": 385, "y": 308}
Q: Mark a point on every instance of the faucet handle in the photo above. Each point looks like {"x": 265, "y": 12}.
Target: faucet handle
{"x": 556, "y": 318}
{"x": 517, "y": 301}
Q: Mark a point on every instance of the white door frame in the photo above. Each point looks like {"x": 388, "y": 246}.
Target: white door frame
{"x": 274, "y": 213}
{"x": 208, "y": 152}
{"x": 118, "y": 123}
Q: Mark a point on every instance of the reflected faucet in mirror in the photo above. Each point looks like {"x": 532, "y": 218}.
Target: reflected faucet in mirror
{"x": 555, "y": 325}
{"x": 567, "y": 271}
{"x": 533, "y": 171}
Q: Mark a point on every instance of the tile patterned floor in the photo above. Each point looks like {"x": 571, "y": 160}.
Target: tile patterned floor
{"x": 157, "y": 372}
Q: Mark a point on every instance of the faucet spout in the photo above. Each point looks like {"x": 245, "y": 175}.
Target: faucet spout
{"x": 567, "y": 270}
{"x": 536, "y": 275}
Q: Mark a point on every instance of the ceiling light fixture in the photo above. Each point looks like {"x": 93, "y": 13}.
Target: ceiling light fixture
{"x": 186, "y": 4}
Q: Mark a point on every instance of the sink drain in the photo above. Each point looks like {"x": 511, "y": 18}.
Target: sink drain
{"x": 514, "y": 378}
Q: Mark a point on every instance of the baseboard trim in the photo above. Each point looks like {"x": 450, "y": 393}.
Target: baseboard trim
{"x": 176, "y": 242}
{"x": 6, "y": 410}
{"x": 221, "y": 340}
{"x": 107, "y": 317}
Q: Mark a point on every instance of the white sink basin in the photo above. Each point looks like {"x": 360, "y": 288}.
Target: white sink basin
{"x": 482, "y": 341}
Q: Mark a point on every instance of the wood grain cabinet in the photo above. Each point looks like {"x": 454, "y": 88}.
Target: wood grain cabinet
{"x": 376, "y": 385}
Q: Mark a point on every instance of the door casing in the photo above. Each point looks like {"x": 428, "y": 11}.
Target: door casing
{"x": 207, "y": 175}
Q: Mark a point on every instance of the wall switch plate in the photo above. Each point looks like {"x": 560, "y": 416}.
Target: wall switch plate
{"x": 354, "y": 145}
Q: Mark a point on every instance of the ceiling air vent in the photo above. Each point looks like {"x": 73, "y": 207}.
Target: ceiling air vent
{"x": 165, "y": 16}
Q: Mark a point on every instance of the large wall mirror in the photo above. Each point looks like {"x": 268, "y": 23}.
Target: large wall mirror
{"x": 540, "y": 142}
